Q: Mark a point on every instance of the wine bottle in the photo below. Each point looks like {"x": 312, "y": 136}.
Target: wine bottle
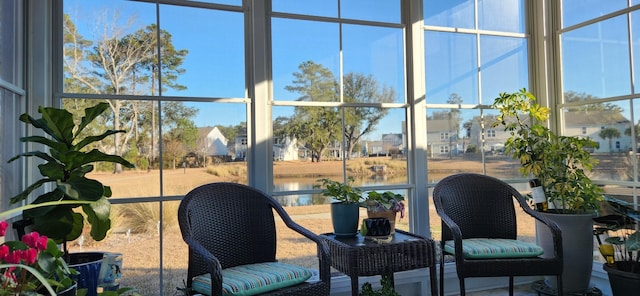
{"x": 537, "y": 192}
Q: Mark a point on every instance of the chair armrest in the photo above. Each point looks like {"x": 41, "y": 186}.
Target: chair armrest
{"x": 556, "y": 232}
{"x": 213, "y": 265}
{"x": 323, "y": 248}
{"x": 456, "y": 233}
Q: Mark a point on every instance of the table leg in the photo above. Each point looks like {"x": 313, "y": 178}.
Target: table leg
{"x": 354, "y": 285}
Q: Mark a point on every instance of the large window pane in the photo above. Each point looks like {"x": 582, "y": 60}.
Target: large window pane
{"x": 609, "y": 125}
{"x": 635, "y": 41}
{"x": 8, "y": 17}
{"x": 576, "y": 11}
{"x": 500, "y": 15}
{"x": 109, "y": 48}
{"x": 375, "y": 56}
{"x": 605, "y": 46}
{"x": 381, "y": 10}
{"x": 504, "y": 66}
{"x": 316, "y": 53}
{"x": 198, "y": 148}
{"x": 451, "y": 67}
{"x": 213, "y": 62}
{"x": 135, "y": 234}
{"x": 327, "y": 8}
{"x": 446, "y": 13}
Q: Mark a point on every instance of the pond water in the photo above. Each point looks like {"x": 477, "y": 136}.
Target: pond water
{"x": 317, "y": 199}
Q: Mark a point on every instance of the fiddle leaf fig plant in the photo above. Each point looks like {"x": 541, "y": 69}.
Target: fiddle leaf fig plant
{"x": 64, "y": 167}
{"x": 560, "y": 162}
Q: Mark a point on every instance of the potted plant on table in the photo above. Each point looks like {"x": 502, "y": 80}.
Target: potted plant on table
{"x": 622, "y": 248}
{"x": 345, "y": 206}
{"x": 561, "y": 163}
{"x": 384, "y": 205}
{"x": 65, "y": 166}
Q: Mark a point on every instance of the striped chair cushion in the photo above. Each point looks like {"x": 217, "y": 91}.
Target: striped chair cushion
{"x": 254, "y": 279}
{"x": 485, "y": 248}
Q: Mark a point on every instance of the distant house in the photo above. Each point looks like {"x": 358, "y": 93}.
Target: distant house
{"x": 442, "y": 137}
{"x": 283, "y": 149}
{"x": 286, "y": 149}
{"x": 590, "y": 123}
{"x": 213, "y": 141}
{"x": 212, "y": 145}
{"x": 577, "y": 123}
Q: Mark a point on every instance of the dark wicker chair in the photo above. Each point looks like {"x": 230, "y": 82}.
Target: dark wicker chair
{"x": 479, "y": 206}
{"x": 228, "y": 224}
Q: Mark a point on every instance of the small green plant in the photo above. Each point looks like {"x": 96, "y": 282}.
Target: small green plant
{"x": 343, "y": 192}
{"x": 386, "y": 289}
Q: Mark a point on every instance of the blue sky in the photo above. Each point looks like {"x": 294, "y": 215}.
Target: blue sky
{"x": 215, "y": 63}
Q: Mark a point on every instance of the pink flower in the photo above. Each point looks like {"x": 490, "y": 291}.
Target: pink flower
{"x": 3, "y": 227}
{"x": 35, "y": 240}
{"x": 13, "y": 257}
{"x": 4, "y": 251}
{"x": 29, "y": 256}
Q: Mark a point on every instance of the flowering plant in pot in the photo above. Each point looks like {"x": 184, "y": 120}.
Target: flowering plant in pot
{"x": 26, "y": 265}
{"x": 384, "y": 205}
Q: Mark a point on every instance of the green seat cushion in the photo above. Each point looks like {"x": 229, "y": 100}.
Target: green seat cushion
{"x": 254, "y": 279}
{"x": 485, "y": 248}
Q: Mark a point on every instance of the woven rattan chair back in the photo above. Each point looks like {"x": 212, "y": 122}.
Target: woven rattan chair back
{"x": 234, "y": 224}
{"x": 480, "y": 206}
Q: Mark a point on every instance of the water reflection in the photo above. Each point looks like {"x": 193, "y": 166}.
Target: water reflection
{"x": 319, "y": 199}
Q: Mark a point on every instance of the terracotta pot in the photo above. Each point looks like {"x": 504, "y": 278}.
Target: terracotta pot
{"x": 391, "y": 215}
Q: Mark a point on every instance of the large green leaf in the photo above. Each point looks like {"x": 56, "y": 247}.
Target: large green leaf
{"x": 39, "y": 154}
{"x": 53, "y": 170}
{"x": 82, "y": 188}
{"x": 633, "y": 242}
{"x": 46, "y": 141}
{"x": 60, "y": 122}
{"x": 24, "y": 194}
{"x": 90, "y": 114}
{"x": 98, "y": 216}
{"x": 76, "y": 159}
{"x": 90, "y": 139}
{"x": 56, "y": 224}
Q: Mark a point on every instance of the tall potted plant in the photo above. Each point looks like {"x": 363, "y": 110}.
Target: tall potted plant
{"x": 65, "y": 165}
{"x": 345, "y": 206}
{"x": 561, "y": 163}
